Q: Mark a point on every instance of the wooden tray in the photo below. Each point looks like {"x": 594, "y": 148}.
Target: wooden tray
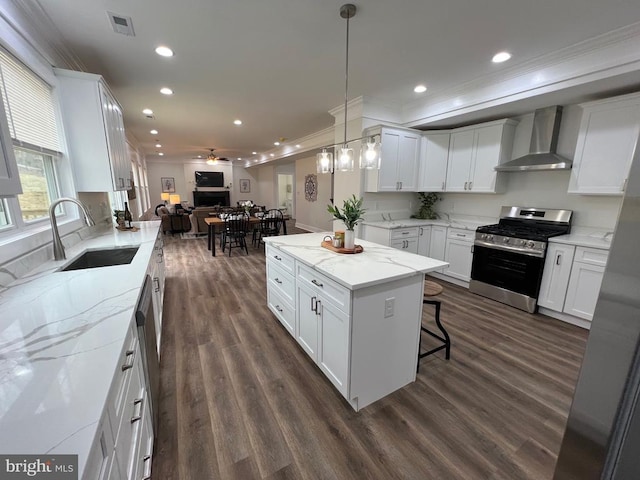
{"x": 329, "y": 246}
{"x": 127, "y": 229}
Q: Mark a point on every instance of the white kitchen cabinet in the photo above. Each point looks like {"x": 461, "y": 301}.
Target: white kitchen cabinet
{"x": 307, "y": 321}
{"x": 399, "y": 158}
{"x": 434, "y": 153}
{"x": 585, "y": 281}
{"x": 157, "y": 273}
{"x": 424, "y": 240}
{"x": 401, "y": 238}
{"x": 606, "y": 142}
{"x": 9, "y": 177}
{"x": 458, "y": 252}
{"x": 474, "y": 152}
{"x": 95, "y": 132}
{"x": 281, "y": 288}
{"x": 555, "y": 277}
{"x": 438, "y": 242}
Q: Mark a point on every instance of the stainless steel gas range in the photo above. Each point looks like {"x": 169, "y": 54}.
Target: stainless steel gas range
{"x": 508, "y": 257}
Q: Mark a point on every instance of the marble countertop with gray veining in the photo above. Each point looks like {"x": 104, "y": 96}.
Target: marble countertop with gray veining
{"x": 376, "y": 265}
{"x": 586, "y": 237}
{"x": 453, "y": 222}
{"x": 61, "y": 337}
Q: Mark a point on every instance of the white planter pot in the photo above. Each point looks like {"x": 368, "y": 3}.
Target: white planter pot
{"x": 349, "y": 239}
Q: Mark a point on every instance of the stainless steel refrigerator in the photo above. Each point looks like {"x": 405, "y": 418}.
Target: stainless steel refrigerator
{"x": 602, "y": 438}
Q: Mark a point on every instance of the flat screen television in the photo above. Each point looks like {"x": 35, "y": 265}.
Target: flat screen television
{"x": 209, "y": 179}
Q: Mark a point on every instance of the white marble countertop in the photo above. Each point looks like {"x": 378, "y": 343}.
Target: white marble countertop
{"x": 586, "y": 237}
{"x": 464, "y": 224}
{"x": 61, "y": 337}
{"x": 377, "y": 264}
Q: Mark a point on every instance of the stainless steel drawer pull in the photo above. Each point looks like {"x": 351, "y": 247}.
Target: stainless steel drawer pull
{"x": 460, "y": 235}
{"x": 146, "y": 470}
{"x": 316, "y": 283}
{"x": 137, "y": 402}
{"x": 558, "y": 257}
{"x": 130, "y": 359}
{"x": 406, "y": 233}
{"x": 314, "y": 304}
{"x": 279, "y": 308}
{"x": 277, "y": 258}
{"x": 465, "y": 185}
{"x": 156, "y": 280}
{"x": 277, "y": 280}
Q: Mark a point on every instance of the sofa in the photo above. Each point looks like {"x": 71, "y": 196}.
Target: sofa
{"x": 161, "y": 212}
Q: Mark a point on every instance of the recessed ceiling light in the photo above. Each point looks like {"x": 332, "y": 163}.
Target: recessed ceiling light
{"x": 272, "y": 154}
{"x": 153, "y": 132}
{"x": 420, "y": 89}
{"x": 166, "y": 91}
{"x": 164, "y": 51}
{"x": 239, "y": 158}
{"x": 237, "y": 122}
{"x": 276, "y": 143}
{"x": 161, "y": 154}
{"x": 501, "y": 57}
{"x": 147, "y": 111}
{"x": 254, "y": 153}
{"x": 298, "y": 146}
{"x": 255, "y": 161}
{"x": 158, "y": 145}
{"x": 199, "y": 156}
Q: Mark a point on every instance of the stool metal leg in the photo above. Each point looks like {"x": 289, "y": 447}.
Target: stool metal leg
{"x": 446, "y": 341}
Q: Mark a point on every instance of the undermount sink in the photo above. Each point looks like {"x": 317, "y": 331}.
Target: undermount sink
{"x": 102, "y": 258}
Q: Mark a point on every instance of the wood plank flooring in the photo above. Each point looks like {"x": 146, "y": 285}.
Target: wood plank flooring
{"x": 240, "y": 399}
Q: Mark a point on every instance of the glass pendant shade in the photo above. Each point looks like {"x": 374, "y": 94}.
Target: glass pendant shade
{"x": 324, "y": 161}
{"x": 370, "y": 156}
{"x": 345, "y": 159}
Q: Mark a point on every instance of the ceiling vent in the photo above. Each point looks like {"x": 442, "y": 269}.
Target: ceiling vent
{"x": 121, "y": 24}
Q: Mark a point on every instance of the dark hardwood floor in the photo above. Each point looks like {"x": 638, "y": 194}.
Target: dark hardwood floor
{"x": 241, "y": 400}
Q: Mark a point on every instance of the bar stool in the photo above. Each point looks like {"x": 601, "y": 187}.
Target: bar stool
{"x": 431, "y": 289}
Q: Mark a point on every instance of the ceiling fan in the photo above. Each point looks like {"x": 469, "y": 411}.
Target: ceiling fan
{"x": 212, "y": 158}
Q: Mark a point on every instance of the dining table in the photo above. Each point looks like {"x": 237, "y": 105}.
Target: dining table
{"x": 215, "y": 222}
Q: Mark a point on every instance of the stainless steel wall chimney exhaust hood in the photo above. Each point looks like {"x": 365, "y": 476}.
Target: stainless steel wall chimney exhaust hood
{"x": 542, "y": 150}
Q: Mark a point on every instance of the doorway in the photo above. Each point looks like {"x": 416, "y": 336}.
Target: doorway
{"x": 285, "y": 194}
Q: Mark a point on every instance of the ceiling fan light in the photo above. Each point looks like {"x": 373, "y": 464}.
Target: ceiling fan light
{"x": 210, "y": 161}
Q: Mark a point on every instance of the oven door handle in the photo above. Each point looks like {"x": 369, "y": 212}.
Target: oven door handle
{"x": 509, "y": 248}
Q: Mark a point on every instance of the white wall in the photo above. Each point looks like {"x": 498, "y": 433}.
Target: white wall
{"x": 312, "y": 216}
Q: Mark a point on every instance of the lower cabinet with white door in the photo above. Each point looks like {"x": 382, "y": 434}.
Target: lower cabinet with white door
{"x": 356, "y": 316}
{"x": 571, "y": 282}
{"x": 459, "y": 253}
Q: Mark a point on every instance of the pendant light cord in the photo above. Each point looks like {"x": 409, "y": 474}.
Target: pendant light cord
{"x": 346, "y": 83}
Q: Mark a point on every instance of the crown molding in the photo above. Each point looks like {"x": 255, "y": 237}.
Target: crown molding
{"x": 613, "y": 53}
{"x": 29, "y": 20}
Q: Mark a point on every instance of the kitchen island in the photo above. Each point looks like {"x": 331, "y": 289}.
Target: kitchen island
{"x": 357, "y": 316}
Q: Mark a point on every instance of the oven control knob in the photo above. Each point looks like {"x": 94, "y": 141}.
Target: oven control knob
{"x": 530, "y": 244}
{"x": 490, "y": 237}
{"x": 483, "y": 236}
{"x": 505, "y": 239}
{"x": 523, "y": 242}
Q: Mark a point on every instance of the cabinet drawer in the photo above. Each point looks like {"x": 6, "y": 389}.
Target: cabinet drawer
{"x": 591, "y": 256}
{"x": 281, "y": 258}
{"x": 121, "y": 379}
{"x": 399, "y": 233}
{"x": 281, "y": 281}
{"x": 462, "y": 235}
{"x": 282, "y": 309}
{"x": 333, "y": 291}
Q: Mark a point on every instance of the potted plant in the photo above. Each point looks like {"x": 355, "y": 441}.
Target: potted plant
{"x": 350, "y": 215}
{"x": 426, "y": 211}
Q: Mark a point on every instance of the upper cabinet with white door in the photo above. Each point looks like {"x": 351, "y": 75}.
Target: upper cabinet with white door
{"x": 95, "y": 132}
{"x": 474, "y": 151}
{"x": 606, "y": 142}
{"x": 434, "y": 153}
{"x": 399, "y": 153}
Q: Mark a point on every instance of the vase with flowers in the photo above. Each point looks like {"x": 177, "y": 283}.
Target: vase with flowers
{"x": 350, "y": 215}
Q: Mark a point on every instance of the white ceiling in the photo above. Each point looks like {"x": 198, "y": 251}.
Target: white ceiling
{"x": 279, "y": 65}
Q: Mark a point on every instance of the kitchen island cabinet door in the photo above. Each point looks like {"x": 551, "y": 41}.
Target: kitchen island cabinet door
{"x": 333, "y": 351}
{"x": 606, "y": 143}
{"x": 459, "y": 254}
{"x": 424, "y": 240}
{"x": 307, "y": 321}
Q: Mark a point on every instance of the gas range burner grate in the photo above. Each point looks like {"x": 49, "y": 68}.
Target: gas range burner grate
{"x": 524, "y": 232}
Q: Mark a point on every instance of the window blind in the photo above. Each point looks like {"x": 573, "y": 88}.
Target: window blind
{"x": 29, "y": 107}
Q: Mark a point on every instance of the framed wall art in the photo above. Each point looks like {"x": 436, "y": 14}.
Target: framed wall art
{"x": 245, "y": 185}
{"x": 168, "y": 184}
{"x": 311, "y": 187}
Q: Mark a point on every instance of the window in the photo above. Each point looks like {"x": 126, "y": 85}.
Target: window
{"x": 30, "y": 116}
{"x": 39, "y": 187}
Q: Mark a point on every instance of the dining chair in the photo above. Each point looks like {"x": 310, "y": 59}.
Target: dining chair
{"x": 235, "y": 231}
{"x": 270, "y": 224}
